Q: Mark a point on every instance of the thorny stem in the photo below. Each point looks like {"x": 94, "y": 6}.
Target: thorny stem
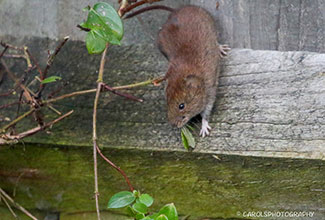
{"x": 4, "y": 194}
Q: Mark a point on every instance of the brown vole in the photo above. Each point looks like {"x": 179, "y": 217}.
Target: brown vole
{"x": 189, "y": 41}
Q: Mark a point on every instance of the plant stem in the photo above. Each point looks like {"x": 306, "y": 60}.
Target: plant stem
{"x": 102, "y": 64}
{"x": 99, "y": 85}
{"x": 3, "y": 129}
{"x": 130, "y": 86}
{"x": 117, "y": 168}
{"x": 4, "y": 194}
{"x": 99, "y": 88}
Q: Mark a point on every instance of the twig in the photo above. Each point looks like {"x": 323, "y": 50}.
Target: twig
{"x": 11, "y": 46}
{"x": 3, "y": 129}
{"x": 17, "y": 205}
{"x": 35, "y": 63}
{"x": 8, "y": 105}
{"x": 99, "y": 88}
{"x": 54, "y": 109}
{"x": 49, "y": 63}
{"x": 37, "y": 129}
{"x": 3, "y": 52}
{"x": 51, "y": 58}
{"x": 122, "y": 10}
{"x": 27, "y": 92}
{"x": 18, "y": 56}
{"x": 29, "y": 63}
{"x": 7, "y": 93}
{"x": 130, "y": 86}
{"x": 8, "y": 206}
{"x": 128, "y": 96}
{"x": 116, "y": 167}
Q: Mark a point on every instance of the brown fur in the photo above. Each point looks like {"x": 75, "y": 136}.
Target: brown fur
{"x": 189, "y": 41}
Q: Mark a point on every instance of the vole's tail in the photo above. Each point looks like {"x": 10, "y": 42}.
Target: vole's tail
{"x": 149, "y": 8}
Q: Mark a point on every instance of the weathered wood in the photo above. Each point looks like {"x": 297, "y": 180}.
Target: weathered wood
{"x": 285, "y": 25}
{"x": 58, "y": 179}
{"x": 269, "y": 103}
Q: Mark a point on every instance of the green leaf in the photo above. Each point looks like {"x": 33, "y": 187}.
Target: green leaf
{"x": 147, "y": 218}
{"x": 139, "y": 216}
{"x": 170, "y": 211}
{"x": 104, "y": 21}
{"x": 94, "y": 43}
{"x": 121, "y": 199}
{"x": 187, "y": 138}
{"x": 130, "y": 211}
{"x": 140, "y": 207}
{"x": 162, "y": 217}
{"x": 146, "y": 199}
{"x": 51, "y": 79}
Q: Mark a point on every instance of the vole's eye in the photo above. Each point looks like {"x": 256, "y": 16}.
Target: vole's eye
{"x": 181, "y": 106}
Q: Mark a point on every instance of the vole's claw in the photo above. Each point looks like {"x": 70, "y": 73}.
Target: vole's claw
{"x": 205, "y": 128}
{"x": 223, "y": 50}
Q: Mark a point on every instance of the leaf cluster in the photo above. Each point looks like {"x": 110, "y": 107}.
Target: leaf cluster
{"x": 105, "y": 26}
{"x": 137, "y": 205}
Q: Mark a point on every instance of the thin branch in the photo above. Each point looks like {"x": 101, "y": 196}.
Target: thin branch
{"x": 49, "y": 63}
{"x": 35, "y": 63}
{"x": 130, "y": 86}
{"x": 11, "y": 46}
{"x": 99, "y": 88}
{"x": 122, "y": 11}
{"x": 69, "y": 95}
{"x": 51, "y": 58}
{"x": 102, "y": 65}
{"x": 17, "y": 56}
{"x": 116, "y": 167}
{"x": 8, "y": 105}
{"x": 155, "y": 81}
{"x": 27, "y": 92}
{"x": 4, "y": 51}
{"x": 37, "y": 129}
{"x": 17, "y": 205}
{"x": 8, "y": 206}
{"x": 29, "y": 63}
{"x": 128, "y": 96}
{"x": 3, "y": 129}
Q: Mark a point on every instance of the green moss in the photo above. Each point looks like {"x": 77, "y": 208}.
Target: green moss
{"x": 60, "y": 179}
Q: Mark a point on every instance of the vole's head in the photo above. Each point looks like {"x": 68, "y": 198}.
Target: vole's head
{"x": 185, "y": 99}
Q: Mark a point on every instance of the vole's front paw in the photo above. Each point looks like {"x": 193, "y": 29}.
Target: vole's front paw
{"x": 205, "y": 130}
{"x": 224, "y": 49}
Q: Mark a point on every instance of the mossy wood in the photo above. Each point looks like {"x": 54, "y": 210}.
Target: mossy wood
{"x": 59, "y": 180}
{"x": 269, "y": 103}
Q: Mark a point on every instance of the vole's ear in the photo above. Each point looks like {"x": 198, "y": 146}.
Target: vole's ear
{"x": 193, "y": 82}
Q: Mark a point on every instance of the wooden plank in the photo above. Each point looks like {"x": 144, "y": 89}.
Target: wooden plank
{"x": 269, "y": 103}
{"x": 285, "y": 25}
